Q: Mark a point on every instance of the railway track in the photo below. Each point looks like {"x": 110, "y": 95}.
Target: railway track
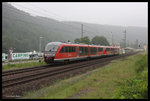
{"x": 23, "y": 70}
{"x": 17, "y": 84}
{"x": 28, "y": 69}
{"x": 28, "y": 78}
{"x": 35, "y": 76}
{"x": 16, "y": 71}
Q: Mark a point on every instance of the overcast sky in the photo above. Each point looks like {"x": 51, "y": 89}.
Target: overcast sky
{"x": 112, "y": 13}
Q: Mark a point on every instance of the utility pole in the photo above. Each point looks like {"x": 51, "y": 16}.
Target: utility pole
{"x": 112, "y": 38}
{"x": 137, "y": 44}
{"x": 40, "y": 45}
{"x": 125, "y": 39}
{"x": 81, "y": 30}
{"x": 128, "y": 45}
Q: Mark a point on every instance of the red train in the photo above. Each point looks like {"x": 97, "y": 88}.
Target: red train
{"x": 65, "y": 52}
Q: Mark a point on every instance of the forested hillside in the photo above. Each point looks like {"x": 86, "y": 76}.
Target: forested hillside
{"x": 23, "y": 31}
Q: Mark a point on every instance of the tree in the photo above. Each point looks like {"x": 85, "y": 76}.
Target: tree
{"x": 100, "y": 40}
{"x": 84, "y": 40}
{"x": 77, "y": 40}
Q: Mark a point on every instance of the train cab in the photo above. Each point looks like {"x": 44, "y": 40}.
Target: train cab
{"x": 50, "y": 51}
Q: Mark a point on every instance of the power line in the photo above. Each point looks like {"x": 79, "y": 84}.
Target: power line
{"x": 25, "y": 21}
{"x": 35, "y": 21}
{"x": 92, "y": 28}
{"x": 69, "y": 25}
{"x": 57, "y": 16}
{"x": 48, "y": 15}
{"x": 112, "y": 37}
{"x": 81, "y": 30}
{"x": 60, "y": 17}
{"x": 109, "y": 35}
{"x": 125, "y": 39}
{"x": 47, "y": 11}
{"x": 59, "y": 22}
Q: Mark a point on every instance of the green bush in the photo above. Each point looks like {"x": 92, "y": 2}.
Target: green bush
{"x": 141, "y": 64}
{"x": 137, "y": 87}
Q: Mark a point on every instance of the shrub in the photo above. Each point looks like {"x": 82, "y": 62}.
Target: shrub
{"x": 137, "y": 87}
{"x": 141, "y": 64}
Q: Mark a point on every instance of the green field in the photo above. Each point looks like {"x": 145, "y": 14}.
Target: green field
{"x": 22, "y": 65}
{"x": 122, "y": 78}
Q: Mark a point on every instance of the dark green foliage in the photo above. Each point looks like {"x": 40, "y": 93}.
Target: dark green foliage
{"x": 142, "y": 63}
{"x": 84, "y": 40}
{"x": 100, "y": 40}
{"x": 137, "y": 87}
{"x": 97, "y": 40}
{"x": 77, "y": 40}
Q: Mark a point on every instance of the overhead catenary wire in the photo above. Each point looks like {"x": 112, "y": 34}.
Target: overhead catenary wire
{"x": 69, "y": 25}
{"x": 48, "y": 14}
{"x": 25, "y": 21}
{"x": 59, "y": 16}
{"x": 48, "y": 11}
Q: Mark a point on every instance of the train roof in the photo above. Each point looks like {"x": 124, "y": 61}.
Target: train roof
{"x": 54, "y": 43}
{"x": 81, "y": 44}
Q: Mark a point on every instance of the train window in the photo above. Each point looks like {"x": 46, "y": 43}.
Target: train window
{"x": 73, "y": 49}
{"x": 100, "y": 49}
{"x": 93, "y": 50}
{"x": 70, "y": 49}
{"x": 107, "y": 49}
{"x": 83, "y": 50}
{"x": 67, "y": 49}
{"x": 62, "y": 50}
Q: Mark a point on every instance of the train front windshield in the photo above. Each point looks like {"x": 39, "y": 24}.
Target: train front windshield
{"x": 51, "y": 49}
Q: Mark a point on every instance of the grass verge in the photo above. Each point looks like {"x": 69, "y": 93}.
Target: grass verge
{"x": 97, "y": 84}
{"x": 137, "y": 87}
{"x": 22, "y": 65}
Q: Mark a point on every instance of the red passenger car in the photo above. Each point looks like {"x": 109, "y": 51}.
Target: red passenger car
{"x": 64, "y": 52}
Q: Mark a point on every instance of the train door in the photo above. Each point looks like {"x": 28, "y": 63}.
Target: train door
{"x": 77, "y": 51}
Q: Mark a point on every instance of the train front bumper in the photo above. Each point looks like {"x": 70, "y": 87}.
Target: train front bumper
{"x": 49, "y": 59}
